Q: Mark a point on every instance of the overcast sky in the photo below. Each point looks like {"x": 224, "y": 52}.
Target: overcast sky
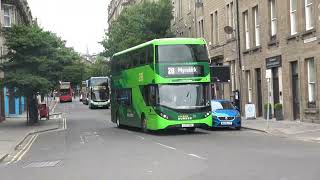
{"x": 80, "y": 22}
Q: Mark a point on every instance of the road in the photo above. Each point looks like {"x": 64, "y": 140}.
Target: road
{"x": 91, "y": 147}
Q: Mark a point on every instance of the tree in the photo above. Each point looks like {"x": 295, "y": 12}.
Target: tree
{"x": 100, "y": 67}
{"x": 34, "y": 63}
{"x": 137, "y": 24}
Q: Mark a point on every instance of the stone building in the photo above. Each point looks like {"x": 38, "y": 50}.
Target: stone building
{"x": 278, "y": 36}
{"x": 281, "y": 36}
{"x": 12, "y": 12}
{"x": 207, "y": 19}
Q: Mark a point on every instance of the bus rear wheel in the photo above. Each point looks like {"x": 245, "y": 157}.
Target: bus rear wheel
{"x": 118, "y": 122}
{"x": 144, "y": 125}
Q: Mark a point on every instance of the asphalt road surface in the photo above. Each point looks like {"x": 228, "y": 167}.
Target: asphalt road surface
{"x": 92, "y": 148}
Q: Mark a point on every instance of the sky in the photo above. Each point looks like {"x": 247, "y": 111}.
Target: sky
{"x": 81, "y": 23}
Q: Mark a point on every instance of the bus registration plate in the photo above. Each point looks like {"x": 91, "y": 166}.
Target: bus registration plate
{"x": 187, "y": 125}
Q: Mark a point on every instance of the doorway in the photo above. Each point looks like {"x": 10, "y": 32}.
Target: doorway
{"x": 259, "y": 92}
{"x": 295, "y": 90}
{"x": 275, "y": 85}
{"x": 12, "y": 102}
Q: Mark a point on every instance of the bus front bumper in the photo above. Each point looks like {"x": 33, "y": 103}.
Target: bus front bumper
{"x": 161, "y": 123}
{"x": 100, "y": 104}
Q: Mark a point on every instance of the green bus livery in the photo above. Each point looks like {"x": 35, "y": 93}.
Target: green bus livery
{"x": 162, "y": 84}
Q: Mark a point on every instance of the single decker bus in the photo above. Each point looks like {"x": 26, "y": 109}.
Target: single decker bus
{"x": 162, "y": 84}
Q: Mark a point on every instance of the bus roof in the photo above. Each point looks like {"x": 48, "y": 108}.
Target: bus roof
{"x": 165, "y": 41}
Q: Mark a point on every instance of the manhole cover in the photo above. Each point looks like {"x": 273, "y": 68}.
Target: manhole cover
{"x": 42, "y": 164}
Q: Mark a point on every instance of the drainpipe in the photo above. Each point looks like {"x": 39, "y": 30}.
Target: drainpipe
{"x": 239, "y": 53}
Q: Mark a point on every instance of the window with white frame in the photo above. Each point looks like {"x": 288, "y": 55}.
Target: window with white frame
{"x": 273, "y": 17}
{"x": 211, "y": 28}
{"x": 309, "y": 14}
{"x": 189, "y": 5}
{"x": 216, "y": 27}
{"x": 201, "y": 28}
{"x": 246, "y": 30}
{"x": 311, "y": 81}
{"x": 8, "y": 15}
{"x": 293, "y": 17}
{"x": 230, "y": 17}
{"x": 180, "y": 8}
{"x": 256, "y": 25}
{"x": 249, "y": 87}
{"x": 233, "y": 75}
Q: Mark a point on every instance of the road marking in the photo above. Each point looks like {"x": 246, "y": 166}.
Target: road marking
{"x": 64, "y": 124}
{"x": 196, "y": 156}
{"x": 142, "y": 138}
{"x": 82, "y": 141}
{"x": 23, "y": 151}
{"x": 169, "y": 147}
{"x": 27, "y": 148}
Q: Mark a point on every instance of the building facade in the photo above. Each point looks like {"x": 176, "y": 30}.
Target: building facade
{"x": 115, "y": 8}
{"x": 281, "y": 37}
{"x": 207, "y": 19}
{"x": 11, "y": 12}
{"x": 277, "y": 38}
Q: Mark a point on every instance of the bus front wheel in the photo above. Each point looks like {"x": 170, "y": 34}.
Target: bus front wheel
{"x": 144, "y": 124}
{"x": 118, "y": 122}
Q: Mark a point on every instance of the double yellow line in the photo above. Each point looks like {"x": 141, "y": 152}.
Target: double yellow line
{"x": 24, "y": 150}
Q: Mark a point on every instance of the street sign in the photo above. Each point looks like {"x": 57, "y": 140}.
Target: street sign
{"x": 250, "y": 111}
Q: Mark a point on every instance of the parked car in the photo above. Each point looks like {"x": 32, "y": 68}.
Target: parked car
{"x": 224, "y": 114}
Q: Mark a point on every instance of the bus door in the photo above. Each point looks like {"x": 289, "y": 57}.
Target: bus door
{"x": 150, "y": 95}
{"x": 125, "y": 112}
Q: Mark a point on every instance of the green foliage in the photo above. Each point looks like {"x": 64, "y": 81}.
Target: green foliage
{"x": 266, "y": 106}
{"x": 278, "y": 106}
{"x": 100, "y": 67}
{"x": 137, "y": 24}
{"x": 36, "y": 59}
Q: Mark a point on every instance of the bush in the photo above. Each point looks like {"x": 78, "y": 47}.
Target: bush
{"x": 266, "y": 106}
{"x": 278, "y": 106}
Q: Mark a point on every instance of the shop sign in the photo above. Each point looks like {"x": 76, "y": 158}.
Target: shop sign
{"x": 273, "y": 62}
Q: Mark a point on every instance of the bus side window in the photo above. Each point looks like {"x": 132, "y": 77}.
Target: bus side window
{"x": 149, "y": 56}
{"x": 146, "y": 95}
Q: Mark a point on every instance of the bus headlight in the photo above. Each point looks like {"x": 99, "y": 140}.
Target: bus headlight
{"x": 208, "y": 114}
{"x": 164, "y": 115}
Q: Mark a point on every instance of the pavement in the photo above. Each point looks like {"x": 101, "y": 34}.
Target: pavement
{"x": 92, "y": 147}
{"x": 291, "y": 129}
{"x": 14, "y": 130}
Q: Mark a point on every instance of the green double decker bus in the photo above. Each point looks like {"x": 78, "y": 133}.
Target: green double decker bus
{"x": 162, "y": 84}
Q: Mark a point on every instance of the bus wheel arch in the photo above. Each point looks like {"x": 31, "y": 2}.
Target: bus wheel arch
{"x": 144, "y": 123}
{"x": 118, "y": 120}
